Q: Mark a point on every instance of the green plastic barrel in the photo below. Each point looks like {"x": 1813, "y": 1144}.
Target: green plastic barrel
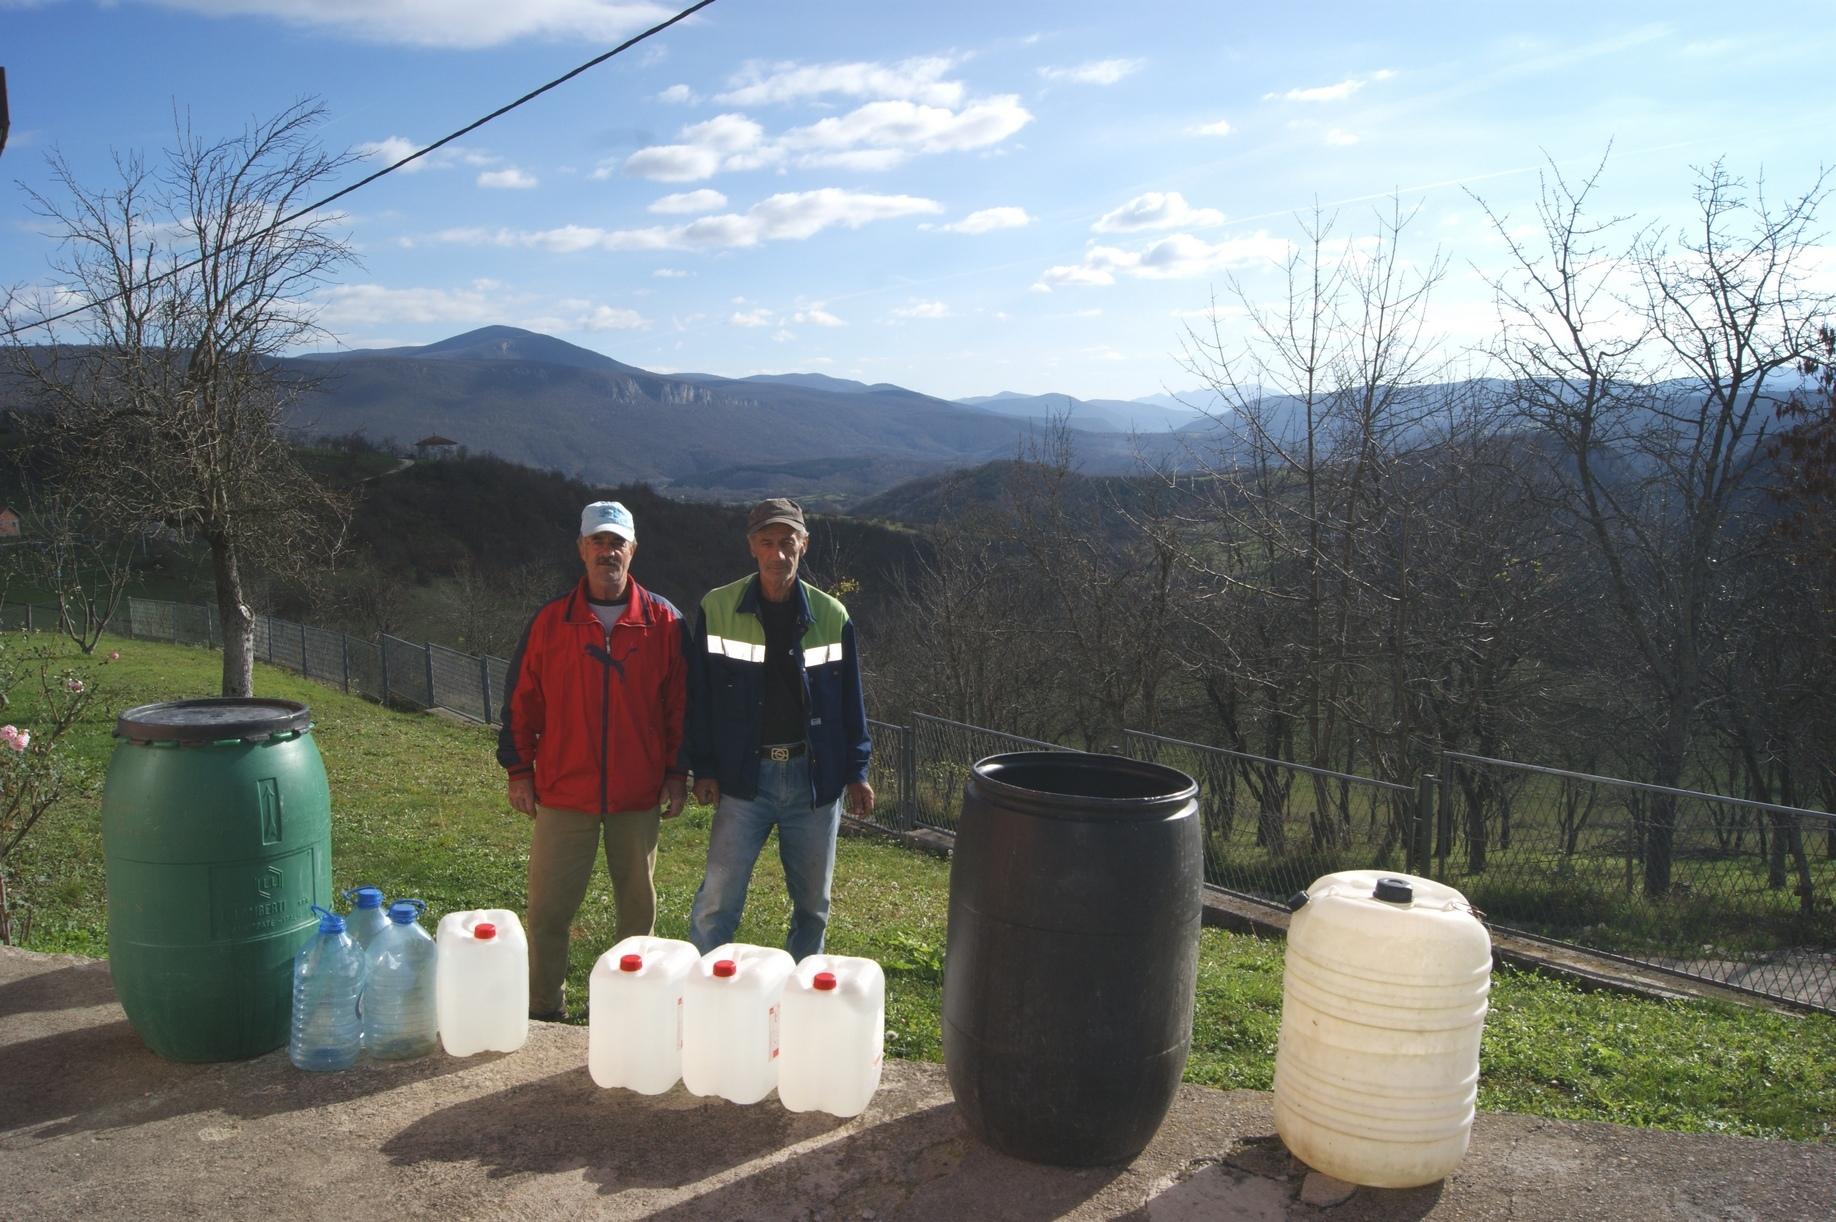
{"x": 216, "y": 825}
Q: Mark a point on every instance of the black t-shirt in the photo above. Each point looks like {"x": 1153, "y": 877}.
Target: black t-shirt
{"x": 784, "y": 713}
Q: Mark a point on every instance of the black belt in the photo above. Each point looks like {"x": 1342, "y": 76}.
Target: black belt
{"x": 781, "y": 751}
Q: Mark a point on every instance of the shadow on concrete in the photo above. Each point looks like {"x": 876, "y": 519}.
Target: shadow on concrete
{"x": 103, "y": 1077}
{"x": 920, "y": 1165}
{"x": 64, "y": 988}
{"x": 617, "y": 1139}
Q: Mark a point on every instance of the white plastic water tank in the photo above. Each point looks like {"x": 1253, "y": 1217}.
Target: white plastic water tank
{"x": 482, "y": 981}
{"x": 730, "y": 1021}
{"x": 634, "y": 1023}
{"x": 834, "y": 1035}
{"x": 1383, "y": 1006}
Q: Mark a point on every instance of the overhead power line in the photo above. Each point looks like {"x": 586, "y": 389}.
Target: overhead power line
{"x": 291, "y": 217}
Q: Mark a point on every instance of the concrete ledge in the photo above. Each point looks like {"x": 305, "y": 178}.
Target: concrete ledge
{"x": 93, "y": 1125}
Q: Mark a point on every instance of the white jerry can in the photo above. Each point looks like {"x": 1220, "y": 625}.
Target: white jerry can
{"x": 634, "y": 1019}
{"x": 481, "y": 981}
{"x": 834, "y": 1035}
{"x": 730, "y": 1021}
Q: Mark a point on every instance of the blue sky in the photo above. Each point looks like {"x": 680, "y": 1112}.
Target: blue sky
{"x": 960, "y": 198}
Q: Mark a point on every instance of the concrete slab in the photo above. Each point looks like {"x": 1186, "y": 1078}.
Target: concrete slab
{"x": 93, "y": 1125}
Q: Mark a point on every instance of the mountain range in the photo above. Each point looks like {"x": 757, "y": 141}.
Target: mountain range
{"x": 540, "y": 401}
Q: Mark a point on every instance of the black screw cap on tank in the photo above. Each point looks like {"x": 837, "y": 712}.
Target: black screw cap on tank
{"x": 1297, "y": 901}
{"x": 1394, "y": 890}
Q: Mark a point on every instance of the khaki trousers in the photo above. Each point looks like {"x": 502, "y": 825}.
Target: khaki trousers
{"x": 561, "y": 853}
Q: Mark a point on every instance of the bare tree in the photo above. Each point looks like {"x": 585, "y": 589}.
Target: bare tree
{"x": 84, "y": 565}
{"x": 1658, "y": 422}
{"x": 163, "y": 403}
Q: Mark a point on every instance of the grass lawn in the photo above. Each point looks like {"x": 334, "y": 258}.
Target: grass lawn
{"x": 418, "y": 809}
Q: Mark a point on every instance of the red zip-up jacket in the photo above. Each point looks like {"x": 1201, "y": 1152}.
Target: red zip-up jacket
{"x": 596, "y": 717}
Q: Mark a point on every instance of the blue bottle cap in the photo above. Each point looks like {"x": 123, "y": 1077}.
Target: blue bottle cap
{"x": 365, "y": 897}
{"x": 403, "y": 912}
{"x": 329, "y": 921}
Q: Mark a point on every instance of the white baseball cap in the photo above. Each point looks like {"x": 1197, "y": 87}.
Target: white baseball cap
{"x": 607, "y": 515}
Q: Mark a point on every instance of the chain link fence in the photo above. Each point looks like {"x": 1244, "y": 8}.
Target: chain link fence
{"x": 943, "y": 752}
{"x": 1271, "y": 827}
{"x": 1730, "y": 890}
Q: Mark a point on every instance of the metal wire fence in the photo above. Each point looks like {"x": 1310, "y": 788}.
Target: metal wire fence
{"x": 1731, "y": 890}
{"x": 389, "y": 670}
{"x": 1271, "y": 827}
{"x": 943, "y": 752}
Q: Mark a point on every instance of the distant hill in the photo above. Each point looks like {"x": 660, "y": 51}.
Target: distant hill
{"x": 539, "y": 401}
{"x": 1094, "y": 415}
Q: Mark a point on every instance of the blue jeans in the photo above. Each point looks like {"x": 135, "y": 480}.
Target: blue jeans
{"x": 806, "y": 846}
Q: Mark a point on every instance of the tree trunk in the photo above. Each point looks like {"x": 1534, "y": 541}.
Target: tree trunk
{"x": 237, "y": 620}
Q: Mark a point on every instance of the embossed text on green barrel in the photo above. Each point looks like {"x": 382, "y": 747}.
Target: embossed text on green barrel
{"x": 216, "y": 825}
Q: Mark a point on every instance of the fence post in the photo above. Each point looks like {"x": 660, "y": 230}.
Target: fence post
{"x": 1443, "y": 843}
{"x": 1420, "y": 839}
{"x": 344, "y": 659}
{"x": 432, "y": 699}
{"x": 908, "y": 807}
{"x": 28, "y": 617}
{"x": 304, "y": 668}
{"x": 382, "y": 654}
{"x": 484, "y": 684}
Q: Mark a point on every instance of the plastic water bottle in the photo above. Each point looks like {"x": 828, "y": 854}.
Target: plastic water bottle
{"x": 834, "y": 1035}
{"x": 399, "y": 1017}
{"x": 730, "y": 1021}
{"x": 328, "y": 978}
{"x": 367, "y": 917}
{"x": 634, "y": 1025}
{"x": 482, "y": 982}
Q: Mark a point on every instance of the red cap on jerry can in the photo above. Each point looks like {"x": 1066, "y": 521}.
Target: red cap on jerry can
{"x": 484, "y": 931}
{"x": 630, "y": 963}
{"x": 725, "y": 967}
{"x": 823, "y": 981}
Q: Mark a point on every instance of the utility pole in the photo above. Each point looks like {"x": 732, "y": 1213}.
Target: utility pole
{"x": 3, "y": 119}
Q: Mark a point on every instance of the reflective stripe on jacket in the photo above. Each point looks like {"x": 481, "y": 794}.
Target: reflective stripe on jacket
{"x": 726, "y": 701}
{"x": 596, "y": 717}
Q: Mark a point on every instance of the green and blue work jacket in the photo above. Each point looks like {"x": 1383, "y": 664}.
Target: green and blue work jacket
{"x": 726, "y": 691}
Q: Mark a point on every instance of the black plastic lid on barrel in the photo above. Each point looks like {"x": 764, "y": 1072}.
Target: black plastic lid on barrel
{"x": 213, "y": 720}
{"x": 1394, "y": 891}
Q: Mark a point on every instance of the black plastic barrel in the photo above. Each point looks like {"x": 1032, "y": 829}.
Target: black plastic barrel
{"x": 1073, "y": 953}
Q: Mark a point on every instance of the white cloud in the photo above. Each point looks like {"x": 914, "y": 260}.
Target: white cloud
{"x": 1338, "y": 135}
{"x": 783, "y": 335}
{"x": 751, "y": 318}
{"x": 669, "y": 273}
{"x": 1219, "y": 128}
{"x": 1330, "y": 93}
{"x": 1157, "y": 210}
{"x": 987, "y": 220}
{"x": 789, "y": 216}
{"x": 1098, "y": 72}
{"x": 816, "y": 316}
{"x": 671, "y": 163}
{"x": 1176, "y": 256}
{"x": 919, "y": 79}
{"x": 392, "y": 149}
{"x": 875, "y": 136}
{"x": 913, "y": 127}
{"x": 511, "y": 179}
{"x": 345, "y": 306}
{"x": 609, "y": 318}
{"x": 922, "y": 309}
{"x": 688, "y": 202}
{"x": 449, "y": 23}
{"x": 679, "y": 95}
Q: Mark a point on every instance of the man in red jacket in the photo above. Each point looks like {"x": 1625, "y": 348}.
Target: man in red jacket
{"x": 592, "y": 729}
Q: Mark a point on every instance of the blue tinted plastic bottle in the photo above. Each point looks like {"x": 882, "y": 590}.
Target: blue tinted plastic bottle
{"x": 400, "y": 1019}
{"x": 328, "y": 974}
{"x": 367, "y": 917}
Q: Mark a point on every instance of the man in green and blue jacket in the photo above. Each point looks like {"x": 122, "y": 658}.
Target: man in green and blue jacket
{"x": 775, "y": 732}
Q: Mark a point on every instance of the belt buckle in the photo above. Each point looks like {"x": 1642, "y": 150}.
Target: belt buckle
{"x": 780, "y": 754}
